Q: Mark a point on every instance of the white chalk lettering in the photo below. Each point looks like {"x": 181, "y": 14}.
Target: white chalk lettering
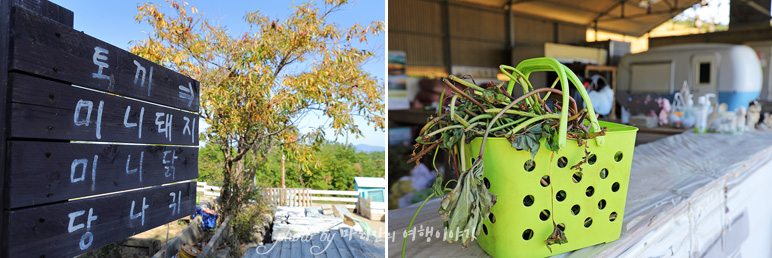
{"x": 81, "y": 104}
{"x": 99, "y": 120}
{"x": 189, "y": 126}
{"x": 165, "y": 125}
{"x": 139, "y": 214}
{"x": 170, "y": 170}
{"x": 324, "y": 237}
{"x": 93, "y": 172}
{"x": 142, "y": 69}
{"x": 87, "y": 236}
{"x": 73, "y": 215}
{"x": 99, "y": 58}
{"x": 176, "y": 202}
{"x": 83, "y": 162}
{"x": 138, "y": 124}
{"x": 186, "y": 93}
{"x": 76, "y": 118}
{"x": 73, "y": 166}
{"x": 138, "y": 169}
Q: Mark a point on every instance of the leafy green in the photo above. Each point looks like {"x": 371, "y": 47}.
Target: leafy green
{"x": 437, "y": 188}
{"x": 466, "y": 206}
{"x": 493, "y": 96}
{"x": 528, "y": 141}
{"x": 451, "y": 138}
{"x": 550, "y": 137}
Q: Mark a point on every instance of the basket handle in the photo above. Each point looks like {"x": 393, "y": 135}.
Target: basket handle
{"x": 550, "y": 64}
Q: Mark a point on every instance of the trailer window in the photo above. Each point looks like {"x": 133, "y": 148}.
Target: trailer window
{"x": 704, "y": 73}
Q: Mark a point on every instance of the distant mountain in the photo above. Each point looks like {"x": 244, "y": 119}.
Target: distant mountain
{"x": 369, "y": 148}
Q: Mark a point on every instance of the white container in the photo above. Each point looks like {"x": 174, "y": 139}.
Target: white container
{"x": 701, "y": 116}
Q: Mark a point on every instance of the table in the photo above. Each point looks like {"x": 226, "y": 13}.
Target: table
{"x": 698, "y": 195}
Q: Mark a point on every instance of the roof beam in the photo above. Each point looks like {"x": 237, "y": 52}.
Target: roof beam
{"x": 571, "y": 6}
{"x": 605, "y": 12}
{"x": 636, "y": 16}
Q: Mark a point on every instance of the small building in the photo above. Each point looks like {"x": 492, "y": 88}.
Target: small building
{"x": 371, "y": 187}
{"x": 372, "y": 196}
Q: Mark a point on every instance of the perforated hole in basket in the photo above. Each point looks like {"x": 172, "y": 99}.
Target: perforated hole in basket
{"x": 544, "y": 215}
{"x": 485, "y": 229}
{"x": 492, "y": 217}
{"x": 528, "y": 200}
{"x": 560, "y": 196}
{"x": 575, "y": 209}
{"x": 602, "y": 204}
{"x": 577, "y": 177}
{"x": 603, "y": 173}
{"x": 618, "y": 156}
{"x": 486, "y": 182}
{"x": 587, "y": 222}
{"x": 612, "y": 217}
{"x": 592, "y": 159}
{"x": 562, "y": 227}
{"x": 615, "y": 187}
{"x": 529, "y": 165}
{"x": 527, "y": 234}
{"x": 590, "y": 191}
{"x": 545, "y": 181}
{"x": 562, "y": 162}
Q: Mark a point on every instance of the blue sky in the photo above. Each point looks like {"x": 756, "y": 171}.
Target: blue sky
{"x": 115, "y": 24}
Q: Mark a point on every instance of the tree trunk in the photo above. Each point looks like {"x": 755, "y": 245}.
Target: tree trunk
{"x": 226, "y": 198}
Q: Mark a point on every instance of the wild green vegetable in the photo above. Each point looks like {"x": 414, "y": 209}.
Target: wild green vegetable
{"x": 492, "y": 111}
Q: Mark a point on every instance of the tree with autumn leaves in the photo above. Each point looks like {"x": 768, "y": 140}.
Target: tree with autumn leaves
{"x": 257, "y": 86}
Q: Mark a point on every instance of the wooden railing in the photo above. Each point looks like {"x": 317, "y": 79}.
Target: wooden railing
{"x": 304, "y": 197}
{"x": 298, "y": 197}
{"x": 208, "y": 190}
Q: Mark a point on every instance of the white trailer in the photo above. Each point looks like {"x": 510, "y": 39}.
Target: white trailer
{"x": 732, "y": 72}
{"x": 764, "y": 52}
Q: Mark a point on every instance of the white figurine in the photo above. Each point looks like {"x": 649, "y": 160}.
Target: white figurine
{"x": 740, "y": 120}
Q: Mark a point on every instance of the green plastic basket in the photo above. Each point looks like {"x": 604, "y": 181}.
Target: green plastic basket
{"x": 519, "y": 224}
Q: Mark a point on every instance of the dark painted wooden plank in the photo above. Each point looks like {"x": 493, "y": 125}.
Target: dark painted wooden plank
{"x": 44, "y": 172}
{"x": 287, "y": 248}
{"x": 51, "y": 11}
{"x": 51, "y": 110}
{"x": 74, "y": 227}
{"x": 349, "y": 236}
{"x": 317, "y": 246}
{"x": 296, "y": 247}
{"x": 275, "y": 251}
{"x": 341, "y": 245}
{"x": 367, "y": 245}
{"x": 47, "y": 9}
{"x": 328, "y": 240}
{"x": 46, "y": 48}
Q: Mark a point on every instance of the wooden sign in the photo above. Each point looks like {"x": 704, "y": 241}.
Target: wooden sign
{"x": 71, "y": 228}
{"x": 94, "y": 140}
{"x": 53, "y": 110}
{"x": 47, "y": 48}
{"x": 43, "y": 172}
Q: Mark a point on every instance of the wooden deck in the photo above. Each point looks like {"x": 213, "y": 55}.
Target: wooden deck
{"x": 342, "y": 242}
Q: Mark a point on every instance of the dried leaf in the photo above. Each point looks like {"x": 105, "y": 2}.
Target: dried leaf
{"x": 557, "y": 237}
{"x": 465, "y": 207}
{"x": 528, "y": 141}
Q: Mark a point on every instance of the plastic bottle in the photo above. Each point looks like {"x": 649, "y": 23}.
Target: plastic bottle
{"x": 701, "y": 114}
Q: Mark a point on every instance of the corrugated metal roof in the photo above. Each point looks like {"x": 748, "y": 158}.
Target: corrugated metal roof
{"x": 629, "y": 17}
